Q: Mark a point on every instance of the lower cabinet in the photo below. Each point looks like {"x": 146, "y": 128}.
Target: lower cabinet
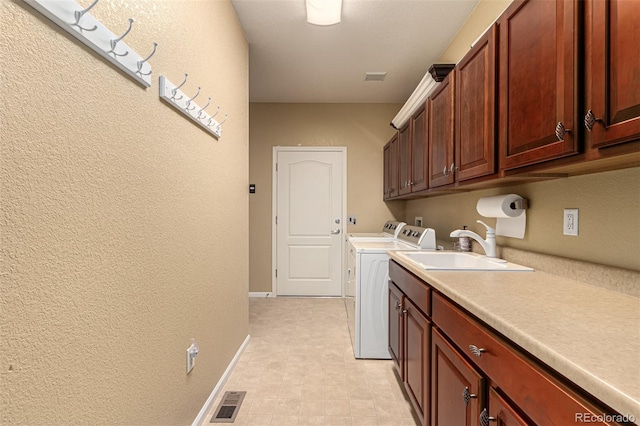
{"x": 457, "y": 371}
{"x": 396, "y": 329}
{"x": 501, "y": 412}
{"x": 457, "y": 387}
{"x": 417, "y": 349}
{"x": 410, "y": 338}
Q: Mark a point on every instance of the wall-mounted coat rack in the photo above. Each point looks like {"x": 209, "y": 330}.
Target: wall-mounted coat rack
{"x": 173, "y": 96}
{"x": 78, "y": 22}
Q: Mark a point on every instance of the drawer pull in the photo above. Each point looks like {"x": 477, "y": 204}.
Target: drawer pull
{"x": 485, "y": 418}
{"x": 561, "y": 131}
{"x": 590, "y": 119}
{"x": 466, "y": 396}
{"x": 476, "y": 350}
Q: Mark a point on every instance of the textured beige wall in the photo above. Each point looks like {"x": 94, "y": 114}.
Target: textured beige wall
{"x": 482, "y": 16}
{"x": 363, "y": 128}
{"x": 609, "y": 224}
{"x": 111, "y": 255}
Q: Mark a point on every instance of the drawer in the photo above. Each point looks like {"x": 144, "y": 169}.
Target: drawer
{"x": 413, "y": 287}
{"x": 541, "y": 395}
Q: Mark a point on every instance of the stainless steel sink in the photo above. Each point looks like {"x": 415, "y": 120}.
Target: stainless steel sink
{"x": 456, "y": 261}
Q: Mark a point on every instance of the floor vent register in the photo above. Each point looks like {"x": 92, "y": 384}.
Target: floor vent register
{"x": 228, "y": 408}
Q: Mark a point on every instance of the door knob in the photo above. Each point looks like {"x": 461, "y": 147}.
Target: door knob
{"x": 335, "y": 231}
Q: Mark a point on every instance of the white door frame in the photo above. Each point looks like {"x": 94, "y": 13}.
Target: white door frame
{"x": 274, "y": 205}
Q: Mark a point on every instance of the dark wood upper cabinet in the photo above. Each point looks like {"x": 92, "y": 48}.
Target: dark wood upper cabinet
{"x": 391, "y": 168}
{"x": 440, "y": 107}
{"x": 404, "y": 159}
{"x": 612, "y": 34}
{"x": 538, "y": 54}
{"x": 419, "y": 148}
{"x": 475, "y": 119}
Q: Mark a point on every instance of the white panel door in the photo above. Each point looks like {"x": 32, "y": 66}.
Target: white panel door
{"x": 309, "y": 229}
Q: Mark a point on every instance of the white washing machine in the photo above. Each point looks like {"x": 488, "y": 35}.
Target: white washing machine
{"x": 390, "y": 231}
{"x": 367, "y": 291}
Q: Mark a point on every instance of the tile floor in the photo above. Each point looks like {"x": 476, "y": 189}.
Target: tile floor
{"x": 299, "y": 369}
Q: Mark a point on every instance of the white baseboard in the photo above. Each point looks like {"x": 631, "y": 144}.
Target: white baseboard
{"x": 261, "y": 294}
{"x": 206, "y": 408}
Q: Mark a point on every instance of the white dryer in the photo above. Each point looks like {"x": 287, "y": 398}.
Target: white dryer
{"x": 390, "y": 231}
{"x": 367, "y": 292}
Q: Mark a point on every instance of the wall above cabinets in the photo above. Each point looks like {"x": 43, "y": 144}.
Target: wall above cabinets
{"x": 548, "y": 91}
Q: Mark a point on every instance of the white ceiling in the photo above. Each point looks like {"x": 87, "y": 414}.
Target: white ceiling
{"x": 293, "y": 61}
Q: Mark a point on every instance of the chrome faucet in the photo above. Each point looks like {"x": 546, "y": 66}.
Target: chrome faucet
{"x": 489, "y": 245}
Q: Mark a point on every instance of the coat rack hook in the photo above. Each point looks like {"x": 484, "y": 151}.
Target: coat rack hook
{"x": 201, "y": 112}
{"x": 188, "y": 108}
{"x": 218, "y": 127}
{"x": 114, "y": 42}
{"x": 216, "y": 113}
{"x": 174, "y": 91}
{"x": 141, "y": 62}
{"x": 78, "y": 14}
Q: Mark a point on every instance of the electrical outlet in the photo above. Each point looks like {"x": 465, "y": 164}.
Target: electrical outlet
{"x": 570, "y": 222}
{"x": 418, "y": 220}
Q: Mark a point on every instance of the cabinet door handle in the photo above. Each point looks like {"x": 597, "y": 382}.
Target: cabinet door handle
{"x": 466, "y": 396}
{"x": 485, "y": 418}
{"x": 561, "y": 131}
{"x": 476, "y": 350}
{"x": 452, "y": 168}
{"x": 404, "y": 311}
{"x": 445, "y": 171}
{"x": 590, "y": 119}
{"x": 398, "y": 305}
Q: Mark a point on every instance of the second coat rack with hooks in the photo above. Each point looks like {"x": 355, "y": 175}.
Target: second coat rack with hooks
{"x": 173, "y": 96}
{"x": 77, "y": 21}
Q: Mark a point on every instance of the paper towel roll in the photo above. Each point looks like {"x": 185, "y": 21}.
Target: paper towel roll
{"x": 511, "y": 221}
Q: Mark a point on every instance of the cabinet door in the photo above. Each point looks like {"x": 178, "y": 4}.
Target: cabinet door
{"x": 613, "y": 66}
{"x": 396, "y": 328}
{"x": 417, "y": 349}
{"x": 404, "y": 164}
{"x": 440, "y": 110}
{"x": 537, "y": 67}
{"x": 475, "y": 143}
{"x": 419, "y": 179}
{"x": 501, "y": 413}
{"x": 391, "y": 172}
{"x": 451, "y": 376}
{"x": 386, "y": 183}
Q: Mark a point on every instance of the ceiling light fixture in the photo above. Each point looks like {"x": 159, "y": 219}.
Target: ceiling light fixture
{"x": 324, "y": 12}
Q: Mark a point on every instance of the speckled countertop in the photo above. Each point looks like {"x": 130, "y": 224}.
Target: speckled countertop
{"x": 589, "y": 334}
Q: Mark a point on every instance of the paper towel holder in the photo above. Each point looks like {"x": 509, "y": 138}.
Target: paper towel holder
{"x": 522, "y": 204}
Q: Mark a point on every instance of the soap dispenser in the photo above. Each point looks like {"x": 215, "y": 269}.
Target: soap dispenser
{"x": 464, "y": 242}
